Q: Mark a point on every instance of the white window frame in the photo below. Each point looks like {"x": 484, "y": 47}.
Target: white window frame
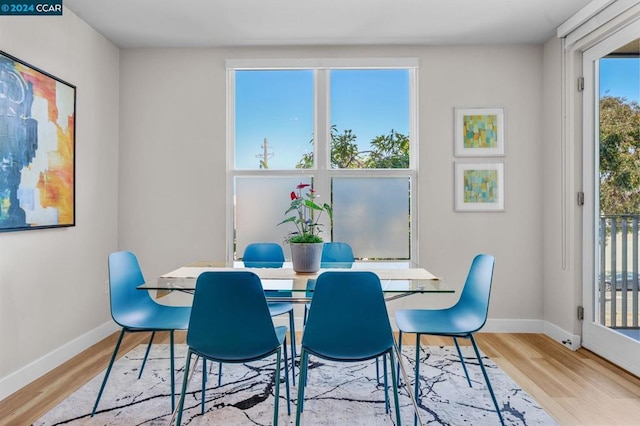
{"x": 322, "y": 172}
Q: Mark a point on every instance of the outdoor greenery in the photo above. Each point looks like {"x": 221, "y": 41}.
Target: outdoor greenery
{"x": 619, "y": 156}
{"x": 389, "y": 151}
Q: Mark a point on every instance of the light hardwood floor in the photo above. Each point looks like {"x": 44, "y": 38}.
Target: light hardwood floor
{"x": 576, "y": 388}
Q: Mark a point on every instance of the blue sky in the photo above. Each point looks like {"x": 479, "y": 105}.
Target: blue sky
{"x": 620, "y": 77}
{"x": 279, "y": 106}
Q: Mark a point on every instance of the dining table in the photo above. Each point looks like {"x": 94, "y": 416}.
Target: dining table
{"x": 281, "y": 283}
{"x": 397, "y": 278}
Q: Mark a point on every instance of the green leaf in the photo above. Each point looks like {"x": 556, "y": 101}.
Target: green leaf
{"x": 287, "y": 220}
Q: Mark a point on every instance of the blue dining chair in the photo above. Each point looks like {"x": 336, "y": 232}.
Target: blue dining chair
{"x": 348, "y": 322}
{"x": 271, "y": 255}
{"x": 334, "y": 255}
{"x": 268, "y": 255}
{"x": 135, "y": 311}
{"x": 462, "y": 320}
{"x": 230, "y": 323}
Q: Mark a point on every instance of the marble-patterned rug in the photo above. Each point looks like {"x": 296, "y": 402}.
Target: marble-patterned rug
{"x": 336, "y": 394}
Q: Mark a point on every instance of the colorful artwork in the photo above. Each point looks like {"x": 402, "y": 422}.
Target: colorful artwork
{"x": 37, "y": 147}
{"x": 479, "y": 132}
{"x": 479, "y": 186}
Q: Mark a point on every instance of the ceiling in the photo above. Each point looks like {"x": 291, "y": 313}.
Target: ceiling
{"x": 206, "y": 23}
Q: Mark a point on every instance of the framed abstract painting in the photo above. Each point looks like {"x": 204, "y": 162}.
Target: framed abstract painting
{"x": 37, "y": 148}
{"x": 479, "y": 186}
{"x": 479, "y": 132}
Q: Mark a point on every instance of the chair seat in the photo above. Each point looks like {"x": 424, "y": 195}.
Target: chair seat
{"x": 279, "y": 308}
{"x": 444, "y": 322}
{"x": 281, "y": 333}
{"x": 347, "y": 353}
{"x": 158, "y": 318}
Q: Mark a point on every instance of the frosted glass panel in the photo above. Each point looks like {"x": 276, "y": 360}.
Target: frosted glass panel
{"x": 372, "y": 214}
{"x": 260, "y": 206}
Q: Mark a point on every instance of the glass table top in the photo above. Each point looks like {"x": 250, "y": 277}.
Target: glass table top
{"x": 395, "y": 276}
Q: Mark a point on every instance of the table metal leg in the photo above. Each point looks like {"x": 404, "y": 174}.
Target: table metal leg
{"x": 406, "y": 380}
{"x": 190, "y": 375}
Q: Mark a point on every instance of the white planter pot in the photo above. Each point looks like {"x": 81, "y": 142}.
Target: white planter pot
{"x": 306, "y": 257}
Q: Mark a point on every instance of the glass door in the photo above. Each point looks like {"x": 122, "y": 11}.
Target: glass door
{"x": 611, "y": 326}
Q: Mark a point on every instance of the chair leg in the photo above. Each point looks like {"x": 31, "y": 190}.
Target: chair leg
{"x": 173, "y": 371}
{"x": 400, "y": 354}
{"x": 106, "y": 375}
{"x": 146, "y": 354}
{"x": 386, "y": 385}
{"x": 377, "y": 371}
{"x": 417, "y": 378}
{"x": 219, "y": 374}
{"x": 304, "y": 358}
{"x": 204, "y": 384}
{"x": 394, "y": 380}
{"x": 292, "y": 331}
{"x": 184, "y": 388}
{"x": 286, "y": 376}
{"x": 304, "y": 317}
{"x": 486, "y": 378}
{"x": 464, "y": 365}
{"x": 276, "y": 403}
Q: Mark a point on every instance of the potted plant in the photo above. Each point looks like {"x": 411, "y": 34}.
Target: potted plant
{"x": 305, "y": 241}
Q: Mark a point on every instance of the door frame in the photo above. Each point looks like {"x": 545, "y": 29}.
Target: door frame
{"x": 611, "y": 345}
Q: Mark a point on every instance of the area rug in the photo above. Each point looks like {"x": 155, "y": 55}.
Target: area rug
{"x": 336, "y": 394}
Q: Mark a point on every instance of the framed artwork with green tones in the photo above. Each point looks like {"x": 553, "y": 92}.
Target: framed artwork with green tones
{"x": 479, "y": 132}
{"x": 479, "y": 186}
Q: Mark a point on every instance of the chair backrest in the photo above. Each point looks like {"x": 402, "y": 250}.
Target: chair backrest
{"x": 348, "y": 318}
{"x": 230, "y": 320}
{"x": 124, "y": 276}
{"x": 337, "y": 255}
{"x": 473, "y": 305}
{"x": 263, "y": 255}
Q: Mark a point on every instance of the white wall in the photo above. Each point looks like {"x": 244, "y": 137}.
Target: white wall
{"x": 172, "y": 199}
{"x": 52, "y": 281}
{"x": 172, "y": 157}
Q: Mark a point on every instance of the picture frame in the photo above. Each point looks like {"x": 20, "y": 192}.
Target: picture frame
{"x": 479, "y": 132}
{"x": 479, "y": 186}
{"x": 37, "y": 148}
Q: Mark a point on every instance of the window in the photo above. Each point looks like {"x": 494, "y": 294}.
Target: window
{"x": 348, "y": 129}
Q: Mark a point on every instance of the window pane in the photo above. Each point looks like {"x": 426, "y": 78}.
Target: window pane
{"x": 273, "y": 118}
{"x": 369, "y": 118}
{"x": 372, "y": 215}
{"x": 260, "y": 206}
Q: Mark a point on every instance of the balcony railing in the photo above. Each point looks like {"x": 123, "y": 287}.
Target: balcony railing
{"x": 618, "y": 281}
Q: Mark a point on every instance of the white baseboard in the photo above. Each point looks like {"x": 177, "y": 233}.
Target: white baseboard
{"x": 570, "y": 341}
{"x": 513, "y": 326}
{"x": 48, "y": 362}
